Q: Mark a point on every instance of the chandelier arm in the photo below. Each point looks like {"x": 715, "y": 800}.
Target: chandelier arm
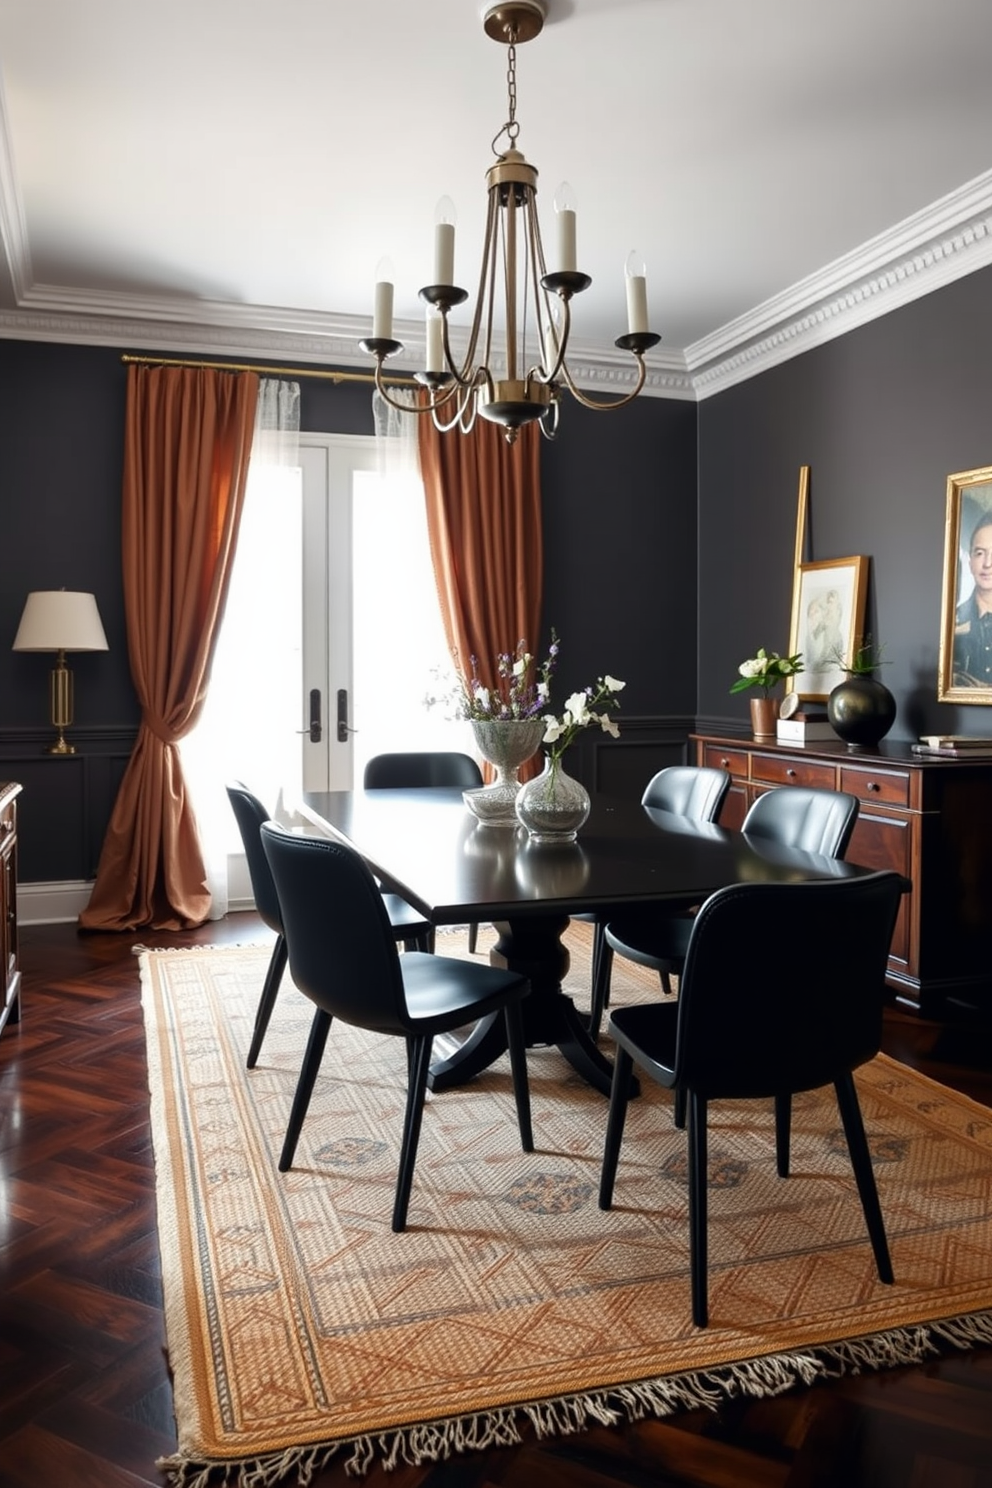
{"x": 486, "y": 267}
{"x": 594, "y": 403}
{"x": 456, "y": 417}
{"x": 553, "y": 411}
{"x": 380, "y": 388}
{"x": 562, "y": 334}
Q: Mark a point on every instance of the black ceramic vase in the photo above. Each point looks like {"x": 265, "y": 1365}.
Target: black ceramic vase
{"x": 861, "y": 710}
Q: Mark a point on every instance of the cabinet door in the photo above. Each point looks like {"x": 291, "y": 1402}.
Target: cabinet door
{"x": 883, "y": 840}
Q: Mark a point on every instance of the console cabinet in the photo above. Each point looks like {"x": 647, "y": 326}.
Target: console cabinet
{"x": 929, "y": 819}
{"x": 10, "y": 975}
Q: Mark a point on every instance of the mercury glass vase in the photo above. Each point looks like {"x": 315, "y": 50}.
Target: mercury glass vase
{"x": 553, "y": 806}
{"x": 505, "y": 743}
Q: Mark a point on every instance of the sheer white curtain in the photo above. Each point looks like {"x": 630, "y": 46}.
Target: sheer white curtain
{"x": 254, "y": 696}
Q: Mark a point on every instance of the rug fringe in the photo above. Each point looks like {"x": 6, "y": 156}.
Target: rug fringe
{"x": 435, "y": 1441}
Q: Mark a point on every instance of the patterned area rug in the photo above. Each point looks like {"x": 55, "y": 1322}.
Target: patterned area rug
{"x": 299, "y": 1325}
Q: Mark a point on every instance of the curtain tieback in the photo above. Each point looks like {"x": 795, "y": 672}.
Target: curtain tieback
{"x": 156, "y": 727}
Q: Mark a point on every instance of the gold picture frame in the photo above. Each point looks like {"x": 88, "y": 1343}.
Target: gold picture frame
{"x": 964, "y": 670}
{"x": 828, "y": 618}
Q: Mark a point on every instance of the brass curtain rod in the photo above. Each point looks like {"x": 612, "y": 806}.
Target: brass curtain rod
{"x": 149, "y": 361}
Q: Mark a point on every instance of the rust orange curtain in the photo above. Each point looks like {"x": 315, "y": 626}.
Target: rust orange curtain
{"x": 484, "y": 520}
{"x": 188, "y": 435}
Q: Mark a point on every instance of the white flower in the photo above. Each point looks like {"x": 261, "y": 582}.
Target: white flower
{"x": 577, "y": 709}
{"x": 752, "y": 668}
{"x": 481, "y": 696}
{"x": 608, "y": 726}
{"x": 520, "y": 665}
{"x": 542, "y": 692}
{"x": 612, "y": 685}
{"x": 553, "y": 730}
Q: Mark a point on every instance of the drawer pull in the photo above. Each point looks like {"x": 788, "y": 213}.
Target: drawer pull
{"x": 791, "y": 773}
{"x": 725, "y": 762}
{"x": 873, "y": 785}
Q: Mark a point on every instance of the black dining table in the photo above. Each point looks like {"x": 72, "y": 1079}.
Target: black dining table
{"x": 426, "y": 845}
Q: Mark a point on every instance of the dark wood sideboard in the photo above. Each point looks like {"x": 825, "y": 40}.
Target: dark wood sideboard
{"x": 929, "y": 819}
{"x": 10, "y": 975}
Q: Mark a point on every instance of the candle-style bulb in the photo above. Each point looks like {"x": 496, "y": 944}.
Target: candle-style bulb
{"x": 444, "y": 241}
{"x": 565, "y": 215}
{"x": 435, "y": 342}
{"x": 637, "y": 293}
{"x": 382, "y": 315}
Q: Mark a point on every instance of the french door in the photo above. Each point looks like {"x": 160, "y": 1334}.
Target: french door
{"x": 373, "y": 640}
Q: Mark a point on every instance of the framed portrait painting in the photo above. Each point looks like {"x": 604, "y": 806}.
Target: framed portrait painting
{"x": 828, "y": 616}
{"x": 965, "y": 665}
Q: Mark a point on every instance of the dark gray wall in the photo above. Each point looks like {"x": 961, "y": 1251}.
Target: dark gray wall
{"x": 882, "y": 416}
{"x": 620, "y": 527}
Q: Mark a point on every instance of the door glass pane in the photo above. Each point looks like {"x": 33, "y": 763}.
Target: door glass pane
{"x": 398, "y": 635}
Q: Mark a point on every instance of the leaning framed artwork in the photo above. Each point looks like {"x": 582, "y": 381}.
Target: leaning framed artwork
{"x": 828, "y": 616}
{"x": 965, "y": 664}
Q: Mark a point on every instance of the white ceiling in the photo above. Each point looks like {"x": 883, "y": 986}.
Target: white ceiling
{"x": 244, "y": 166}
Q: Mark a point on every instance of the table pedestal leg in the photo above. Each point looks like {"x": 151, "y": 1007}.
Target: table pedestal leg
{"x": 530, "y": 945}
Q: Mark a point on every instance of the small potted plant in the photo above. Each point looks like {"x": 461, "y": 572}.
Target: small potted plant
{"x": 861, "y": 709}
{"x": 766, "y": 670}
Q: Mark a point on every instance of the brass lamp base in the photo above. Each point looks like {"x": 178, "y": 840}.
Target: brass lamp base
{"x": 60, "y": 698}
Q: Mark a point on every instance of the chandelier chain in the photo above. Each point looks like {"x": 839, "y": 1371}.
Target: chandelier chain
{"x": 511, "y": 128}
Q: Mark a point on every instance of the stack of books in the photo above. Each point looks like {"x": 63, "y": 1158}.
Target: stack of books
{"x": 954, "y": 746}
{"x": 806, "y": 726}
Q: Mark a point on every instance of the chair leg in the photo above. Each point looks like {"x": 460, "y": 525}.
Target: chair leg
{"x": 857, "y": 1142}
{"x": 473, "y": 937}
{"x": 419, "y": 1052}
{"x": 600, "y": 987}
{"x": 698, "y": 1261}
{"x": 623, "y": 1068}
{"x": 783, "y": 1133}
{"x": 267, "y": 1001}
{"x": 319, "y": 1029}
{"x": 680, "y": 1107}
{"x": 518, "y": 1066}
{"x": 664, "y": 973}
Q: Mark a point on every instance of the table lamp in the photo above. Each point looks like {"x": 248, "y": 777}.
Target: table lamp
{"x": 60, "y": 620}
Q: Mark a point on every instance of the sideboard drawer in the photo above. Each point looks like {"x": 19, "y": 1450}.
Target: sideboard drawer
{"x": 788, "y": 770}
{"x": 733, "y": 760}
{"x": 876, "y": 785}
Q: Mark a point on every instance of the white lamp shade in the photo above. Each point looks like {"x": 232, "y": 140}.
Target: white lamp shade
{"x": 60, "y": 620}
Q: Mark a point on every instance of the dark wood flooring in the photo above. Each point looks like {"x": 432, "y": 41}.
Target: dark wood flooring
{"x": 85, "y": 1400}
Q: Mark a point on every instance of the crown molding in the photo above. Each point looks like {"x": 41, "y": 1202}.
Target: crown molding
{"x": 215, "y": 329}
{"x": 946, "y": 241}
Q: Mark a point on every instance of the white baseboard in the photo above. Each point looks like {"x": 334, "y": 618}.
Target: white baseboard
{"x": 52, "y": 903}
{"x": 63, "y": 903}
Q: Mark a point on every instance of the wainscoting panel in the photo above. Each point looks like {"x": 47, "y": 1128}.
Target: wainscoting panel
{"x": 623, "y": 767}
{"x": 66, "y": 801}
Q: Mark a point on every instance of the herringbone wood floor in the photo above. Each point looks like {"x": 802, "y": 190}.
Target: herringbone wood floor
{"x": 85, "y": 1400}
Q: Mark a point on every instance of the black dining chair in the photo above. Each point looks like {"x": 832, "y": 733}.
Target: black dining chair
{"x": 417, "y": 768}
{"x": 407, "y": 924}
{"x": 342, "y": 956}
{"x": 812, "y": 1016}
{"x": 695, "y": 792}
{"x": 812, "y": 819}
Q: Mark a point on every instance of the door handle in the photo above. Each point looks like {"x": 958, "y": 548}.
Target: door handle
{"x": 316, "y": 729}
{"x": 344, "y": 728}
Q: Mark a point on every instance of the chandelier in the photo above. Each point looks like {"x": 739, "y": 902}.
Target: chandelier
{"x": 523, "y": 380}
